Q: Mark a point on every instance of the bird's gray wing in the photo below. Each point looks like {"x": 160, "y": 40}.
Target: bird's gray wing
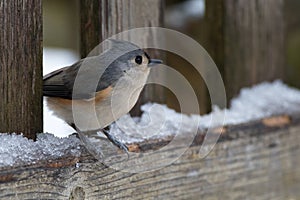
{"x": 90, "y": 76}
{"x": 54, "y": 85}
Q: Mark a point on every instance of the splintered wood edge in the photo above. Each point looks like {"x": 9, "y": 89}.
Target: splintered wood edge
{"x": 252, "y": 129}
{"x": 277, "y": 121}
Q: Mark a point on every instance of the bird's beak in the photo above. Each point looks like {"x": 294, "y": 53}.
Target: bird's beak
{"x": 153, "y": 62}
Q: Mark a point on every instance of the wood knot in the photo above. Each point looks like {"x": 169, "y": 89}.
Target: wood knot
{"x": 77, "y": 193}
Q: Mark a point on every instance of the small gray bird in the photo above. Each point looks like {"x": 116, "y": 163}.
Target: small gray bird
{"x": 101, "y": 88}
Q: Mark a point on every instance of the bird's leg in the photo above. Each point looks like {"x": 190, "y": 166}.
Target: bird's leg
{"x": 75, "y": 128}
{"x": 114, "y": 140}
{"x": 110, "y": 137}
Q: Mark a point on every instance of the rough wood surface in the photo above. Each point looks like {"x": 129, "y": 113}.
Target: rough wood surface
{"x": 258, "y": 160}
{"x": 101, "y": 19}
{"x": 21, "y": 67}
{"x": 246, "y": 40}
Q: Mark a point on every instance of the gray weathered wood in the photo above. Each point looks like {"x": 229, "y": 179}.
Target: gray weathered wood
{"x": 21, "y": 67}
{"x": 246, "y": 40}
{"x": 101, "y": 19}
{"x": 258, "y": 160}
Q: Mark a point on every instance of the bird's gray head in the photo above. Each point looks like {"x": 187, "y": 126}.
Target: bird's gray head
{"x": 136, "y": 60}
{"x": 127, "y": 60}
{"x": 132, "y": 57}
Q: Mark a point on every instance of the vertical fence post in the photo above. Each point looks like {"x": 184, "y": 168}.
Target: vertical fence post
{"x": 246, "y": 40}
{"x": 21, "y": 67}
{"x": 101, "y": 19}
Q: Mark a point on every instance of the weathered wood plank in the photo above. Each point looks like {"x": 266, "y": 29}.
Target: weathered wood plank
{"x": 257, "y": 160}
{"x": 21, "y": 67}
{"x": 246, "y": 40}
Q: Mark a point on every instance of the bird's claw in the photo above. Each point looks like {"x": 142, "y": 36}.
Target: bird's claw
{"x": 116, "y": 142}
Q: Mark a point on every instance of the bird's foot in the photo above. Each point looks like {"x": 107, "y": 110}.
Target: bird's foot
{"x": 115, "y": 141}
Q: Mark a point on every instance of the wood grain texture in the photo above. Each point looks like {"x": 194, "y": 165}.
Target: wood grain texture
{"x": 21, "y": 67}
{"x": 246, "y": 40}
{"x": 101, "y": 19}
{"x": 250, "y": 161}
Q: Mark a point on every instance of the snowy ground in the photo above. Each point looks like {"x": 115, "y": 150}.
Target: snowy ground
{"x": 260, "y": 101}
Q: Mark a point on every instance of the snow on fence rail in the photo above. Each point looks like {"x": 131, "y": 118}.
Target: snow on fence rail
{"x": 252, "y": 104}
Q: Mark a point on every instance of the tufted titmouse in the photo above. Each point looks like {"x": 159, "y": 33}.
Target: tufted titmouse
{"x": 110, "y": 83}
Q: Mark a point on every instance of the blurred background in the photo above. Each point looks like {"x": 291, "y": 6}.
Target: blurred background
{"x": 292, "y": 12}
{"x": 62, "y": 36}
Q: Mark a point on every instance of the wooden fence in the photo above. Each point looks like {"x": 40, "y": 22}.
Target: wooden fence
{"x": 21, "y": 67}
{"x": 257, "y": 160}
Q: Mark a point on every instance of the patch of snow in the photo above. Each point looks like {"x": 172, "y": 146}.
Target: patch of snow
{"x": 18, "y": 149}
{"x": 156, "y": 121}
{"x": 263, "y": 100}
{"x": 159, "y": 121}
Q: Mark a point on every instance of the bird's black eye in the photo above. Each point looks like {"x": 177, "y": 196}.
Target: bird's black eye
{"x": 139, "y": 60}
